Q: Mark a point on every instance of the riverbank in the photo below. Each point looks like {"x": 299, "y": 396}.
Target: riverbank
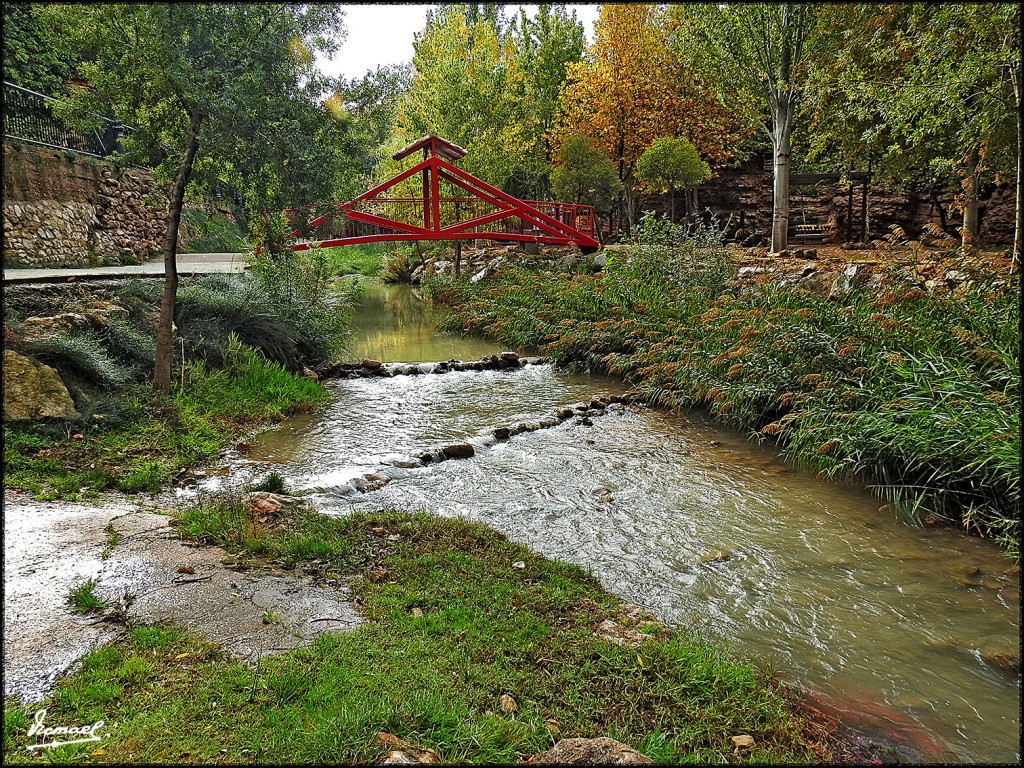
{"x": 141, "y": 441}
{"x": 80, "y": 417}
{"x": 474, "y": 649}
{"x": 916, "y": 394}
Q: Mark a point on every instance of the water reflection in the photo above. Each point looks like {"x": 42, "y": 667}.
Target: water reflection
{"x": 393, "y": 325}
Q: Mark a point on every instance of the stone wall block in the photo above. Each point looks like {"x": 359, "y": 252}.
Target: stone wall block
{"x": 61, "y": 211}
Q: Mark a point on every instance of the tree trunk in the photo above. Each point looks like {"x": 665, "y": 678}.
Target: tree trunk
{"x": 629, "y": 203}
{"x": 782, "y": 123}
{"x": 1016, "y": 73}
{"x": 970, "y": 234}
{"x": 672, "y": 205}
{"x": 458, "y": 258}
{"x": 164, "y": 328}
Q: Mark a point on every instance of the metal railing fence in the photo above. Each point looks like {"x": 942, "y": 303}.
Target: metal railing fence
{"x": 29, "y": 117}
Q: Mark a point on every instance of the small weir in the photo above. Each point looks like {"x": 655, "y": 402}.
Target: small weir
{"x": 910, "y": 634}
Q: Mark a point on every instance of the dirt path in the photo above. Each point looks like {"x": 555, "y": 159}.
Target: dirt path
{"x": 52, "y": 547}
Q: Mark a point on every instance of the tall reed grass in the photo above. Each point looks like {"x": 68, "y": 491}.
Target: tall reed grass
{"x": 915, "y": 394}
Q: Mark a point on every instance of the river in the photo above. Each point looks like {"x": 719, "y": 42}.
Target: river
{"x": 906, "y": 631}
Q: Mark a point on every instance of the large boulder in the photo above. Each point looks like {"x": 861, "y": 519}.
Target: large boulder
{"x": 600, "y": 751}
{"x": 33, "y": 391}
{"x": 64, "y": 323}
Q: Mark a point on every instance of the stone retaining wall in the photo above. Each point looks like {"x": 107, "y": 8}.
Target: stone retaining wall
{"x": 66, "y": 211}
{"x": 747, "y": 188}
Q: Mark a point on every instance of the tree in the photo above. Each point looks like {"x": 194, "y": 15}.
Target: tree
{"x": 368, "y": 106}
{"x": 758, "y": 50}
{"x": 632, "y": 88}
{"x": 31, "y": 59}
{"x": 470, "y": 88}
{"x": 584, "y": 175}
{"x": 928, "y": 90}
{"x": 218, "y": 85}
{"x": 547, "y": 45}
{"x": 671, "y": 164}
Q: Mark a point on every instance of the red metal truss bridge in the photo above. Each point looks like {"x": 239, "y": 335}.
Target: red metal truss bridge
{"x": 455, "y": 205}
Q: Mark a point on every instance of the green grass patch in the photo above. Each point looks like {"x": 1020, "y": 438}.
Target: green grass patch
{"x": 83, "y": 597}
{"x": 155, "y": 438}
{"x": 113, "y": 538}
{"x": 915, "y": 394}
{"x": 435, "y": 680}
{"x": 366, "y": 259}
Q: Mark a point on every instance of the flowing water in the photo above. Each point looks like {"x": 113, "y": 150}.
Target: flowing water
{"x": 905, "y": 631}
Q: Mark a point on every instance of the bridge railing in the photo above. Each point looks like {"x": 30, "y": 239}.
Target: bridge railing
{"x": 333, "y": 224}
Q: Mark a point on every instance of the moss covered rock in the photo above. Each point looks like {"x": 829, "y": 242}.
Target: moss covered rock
{"x": 34, "y": 391}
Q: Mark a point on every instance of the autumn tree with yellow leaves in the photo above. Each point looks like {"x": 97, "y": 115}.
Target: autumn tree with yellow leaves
{"x": 631, "y": 89}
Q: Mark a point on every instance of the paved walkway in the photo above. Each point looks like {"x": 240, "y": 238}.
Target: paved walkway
{"x": 188, "y": 264}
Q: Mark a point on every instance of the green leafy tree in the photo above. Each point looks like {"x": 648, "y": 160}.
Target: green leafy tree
{"x": 585, "y": 176}
{"x": 33, "y": 57}
{"x": 469, "y": 88}
{"x": 927, "y": 90}
{"x": 547, "y": 44}
{"x": 491, "y": 86}
{"x": 756, "y": 52}
{"x": 673, "y": 164}
{"x": 367, "y": 106}
{"x": 221, "y": 86}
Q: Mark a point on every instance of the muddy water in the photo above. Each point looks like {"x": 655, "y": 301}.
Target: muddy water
{"x": 901, "y": 630}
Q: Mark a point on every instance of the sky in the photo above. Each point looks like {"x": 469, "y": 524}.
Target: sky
{"x": 382, "y": 34}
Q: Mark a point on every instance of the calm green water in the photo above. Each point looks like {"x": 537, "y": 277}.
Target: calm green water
{"x": 897, "y": 628}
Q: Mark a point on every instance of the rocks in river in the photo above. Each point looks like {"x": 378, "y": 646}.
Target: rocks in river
{"x": 586, "y": 421}
{"x": 504, "y": 361}
{"x": 262, "y": 504}
{"x": 566, "y": 413}
{"x": 715, "y": 556}
{"x": 1004, "y": 660}
{"x": 406, "y": 463}
{"x": 458, "y": 451}
{"x": 502, "y": 433}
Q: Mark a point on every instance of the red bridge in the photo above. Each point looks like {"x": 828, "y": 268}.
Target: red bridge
{"x": 454, "y": 206}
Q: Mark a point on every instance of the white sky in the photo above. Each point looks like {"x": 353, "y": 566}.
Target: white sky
{"x": 382, "y": 34}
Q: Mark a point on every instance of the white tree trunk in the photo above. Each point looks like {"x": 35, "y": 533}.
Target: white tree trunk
{"x": 782, "y": 123}
{"x": 971, "y": 213}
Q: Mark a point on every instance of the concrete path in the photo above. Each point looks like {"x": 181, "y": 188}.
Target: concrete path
{"x": 188, "y": 264}
{"x": 52, "y": 547}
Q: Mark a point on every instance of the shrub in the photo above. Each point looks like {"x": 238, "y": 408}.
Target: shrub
{"x": 398, "y": 267}
{"x": 84, "y": 355}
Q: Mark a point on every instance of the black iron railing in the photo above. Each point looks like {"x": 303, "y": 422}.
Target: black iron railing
{"x": 29, "y": 117}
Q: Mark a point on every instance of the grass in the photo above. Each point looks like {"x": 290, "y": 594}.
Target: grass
{"x": 918, "y": 395}
{"x": 212, "y": 232}
{"x": 113, "y": 538}
{"x": 154, "y": 439}
{"x": 364, "y": 259}
{"x": 435, "y": 680}
{"x": 273, "y": 483}
{"x": 83, "y": 598}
